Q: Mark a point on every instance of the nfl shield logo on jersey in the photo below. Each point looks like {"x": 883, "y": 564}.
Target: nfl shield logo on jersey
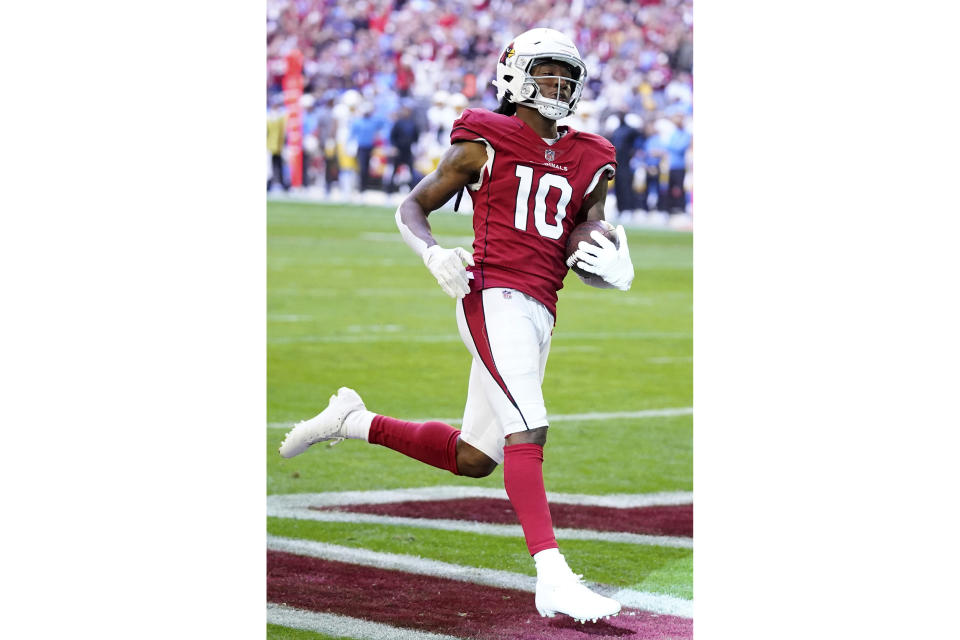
{"x": 549, "y": 155}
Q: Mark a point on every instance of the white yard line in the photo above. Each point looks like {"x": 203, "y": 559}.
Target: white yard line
{"x": 562, "y": 417}
{"x": 297, "y": 506}
{"x": 655, "y": 603}
{"x": 452, "y": 337}
{"x": 331, "y": 624}
{"x": 615, "y": 415}
{"x": 396, "y": 238}
{"x": 386, "y": 496}
{"x": 481, "y": 528}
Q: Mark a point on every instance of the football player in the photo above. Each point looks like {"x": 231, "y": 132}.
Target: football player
{"x": 531, "y": 182}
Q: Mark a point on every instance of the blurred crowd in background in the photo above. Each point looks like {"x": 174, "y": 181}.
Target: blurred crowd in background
{"x": 384, "y": 80}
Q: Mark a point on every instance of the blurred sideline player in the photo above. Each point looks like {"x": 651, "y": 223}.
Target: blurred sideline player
{"x": 530, "y": 182}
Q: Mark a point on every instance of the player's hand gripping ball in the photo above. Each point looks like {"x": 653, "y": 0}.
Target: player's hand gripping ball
{"x": 581, "y": 233}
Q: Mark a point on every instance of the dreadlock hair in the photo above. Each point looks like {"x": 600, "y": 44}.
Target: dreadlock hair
{"x": 506, "y": 107}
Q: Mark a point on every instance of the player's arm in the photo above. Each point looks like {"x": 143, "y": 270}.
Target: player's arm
{"x": 460, "y": 166}
{"x": 592, "y": 207}
{"x": 610, "y": 266}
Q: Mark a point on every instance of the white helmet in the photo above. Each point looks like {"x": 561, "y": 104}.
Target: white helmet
{"x": 530, "y": 48}
{"x": 458, "y": 101}
{"x": 351, "y": 98}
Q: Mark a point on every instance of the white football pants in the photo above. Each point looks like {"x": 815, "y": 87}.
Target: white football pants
{"x": 508, "y": 334}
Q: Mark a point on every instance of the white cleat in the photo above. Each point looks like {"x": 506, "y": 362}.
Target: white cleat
{"x": 566, "y": 593}
{"x": 327, "y": 425}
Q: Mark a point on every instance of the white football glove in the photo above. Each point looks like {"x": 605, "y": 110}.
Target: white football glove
{"x": 607, "y": 261}
{"x": 447, "y": 266}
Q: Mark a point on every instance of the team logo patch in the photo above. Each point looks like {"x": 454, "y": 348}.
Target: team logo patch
{"x": 549, "y": 155}
{"x": 507, "y": 53}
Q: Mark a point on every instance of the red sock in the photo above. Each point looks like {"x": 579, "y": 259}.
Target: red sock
{"x": 432, "y": 442}
{"x": 523, "y": 480}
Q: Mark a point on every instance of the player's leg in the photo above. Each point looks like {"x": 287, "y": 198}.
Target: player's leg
{"x": 501, "y": 332}
{"x": 509, "y": 335}
{"x": 557, "y": 585}
{"x": 653, "y": 187}
{"x": 675, "y": 190}
{"x": 480, "y": 448}
{"x": 435, "y": 443}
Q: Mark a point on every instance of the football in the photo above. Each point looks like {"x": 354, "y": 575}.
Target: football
{"x": 581, "y": 233}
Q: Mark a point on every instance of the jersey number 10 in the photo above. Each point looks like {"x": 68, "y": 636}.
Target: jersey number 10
{"x": 547, "y": 181}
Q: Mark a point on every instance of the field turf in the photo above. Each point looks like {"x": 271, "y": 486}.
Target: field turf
{"x": 350, "y": 305}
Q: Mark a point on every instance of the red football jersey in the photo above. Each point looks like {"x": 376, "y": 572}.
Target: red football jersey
{"x": 527, "y": 200}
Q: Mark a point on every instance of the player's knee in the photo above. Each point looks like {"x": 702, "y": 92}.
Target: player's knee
{"x": 532, "y": 436}
{"x": 480, "y": 470}
{"x": 474, "y": 464}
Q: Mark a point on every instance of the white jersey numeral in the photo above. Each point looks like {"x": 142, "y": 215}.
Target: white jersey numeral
{"x": 547, "y": 181}
{"x": 523, "y": 194}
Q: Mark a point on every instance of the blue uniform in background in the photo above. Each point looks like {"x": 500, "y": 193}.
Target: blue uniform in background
{"x": 364, "y": 131}
{"x": 676, "y": 146}
{"x": 651, "y": 158}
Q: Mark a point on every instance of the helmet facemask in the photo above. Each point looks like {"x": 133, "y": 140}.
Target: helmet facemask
{"x": 538, "y": 46}
{"x": 559, "y": 106}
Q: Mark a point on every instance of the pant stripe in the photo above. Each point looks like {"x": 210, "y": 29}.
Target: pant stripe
{"x": 476, "y": 322}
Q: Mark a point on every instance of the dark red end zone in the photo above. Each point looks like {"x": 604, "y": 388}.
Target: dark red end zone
{"x": 672, "y": 520}
{"x": 443, "y": 606}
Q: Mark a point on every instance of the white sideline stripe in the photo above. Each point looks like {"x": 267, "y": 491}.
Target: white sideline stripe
{"x": 655, "y": 602}
{"x": 652, "y": 602}
{"x": 482, "y": 528}
{"x": 384, "y": 496}
{"x": 344, "y": 626}
{"x": 451, "y": 337}
{"x": 394, "y": 237}
{"x": 612, "y": 415}
{"x": 297, "y": 506}
{"x": 563, "y": 417}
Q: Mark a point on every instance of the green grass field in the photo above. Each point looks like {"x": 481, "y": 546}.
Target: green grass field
{"x": 350, "y": 305}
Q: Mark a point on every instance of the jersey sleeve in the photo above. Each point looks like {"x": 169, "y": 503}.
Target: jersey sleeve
{"x": 467, "y": 127}
{"x": 480, "y": 123}
{"x": 479, "y": 126}
{"x": 602, "y": 161}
